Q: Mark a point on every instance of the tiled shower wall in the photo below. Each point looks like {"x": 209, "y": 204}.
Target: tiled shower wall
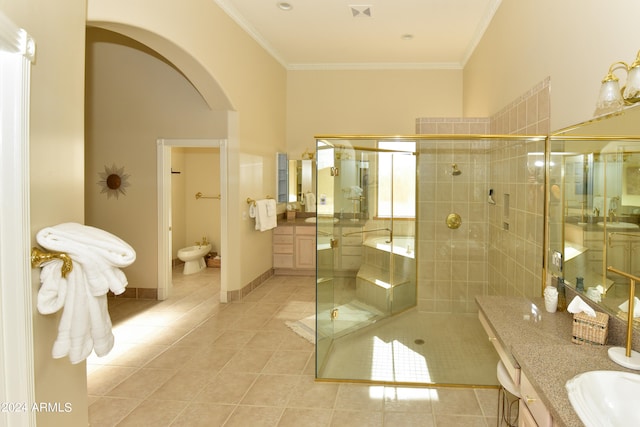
{"x": 497, "y": 250}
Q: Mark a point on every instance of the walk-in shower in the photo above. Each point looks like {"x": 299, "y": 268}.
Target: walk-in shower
{"x": 411, "y": 241}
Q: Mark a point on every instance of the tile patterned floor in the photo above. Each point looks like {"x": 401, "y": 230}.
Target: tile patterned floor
{"x": 192, "y": 361}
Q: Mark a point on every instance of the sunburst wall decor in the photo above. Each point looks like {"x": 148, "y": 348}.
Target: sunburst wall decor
{"x": 113, "y": 181}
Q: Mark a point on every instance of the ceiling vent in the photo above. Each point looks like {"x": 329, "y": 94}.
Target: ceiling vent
{"x": 360, "y": 11}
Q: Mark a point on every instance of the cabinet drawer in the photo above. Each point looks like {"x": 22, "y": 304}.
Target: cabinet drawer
{"x": 283, "y": 239}
{"x": 283, "y": 230}
{"x": 507, "y": 360}
{"x": 306, "y": 230}
{"x": 282, "y": 261}
{"x": 529, "y": 396}
{"x": 283, "y": 249}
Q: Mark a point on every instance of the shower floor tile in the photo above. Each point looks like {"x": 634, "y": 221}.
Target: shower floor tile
{"x": 416, "y": 347}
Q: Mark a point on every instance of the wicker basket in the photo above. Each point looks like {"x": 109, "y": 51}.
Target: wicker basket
{"x": 590, "y": 330}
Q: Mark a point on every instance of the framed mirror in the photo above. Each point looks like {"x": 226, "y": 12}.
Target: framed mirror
{"x": 594, "y": 207}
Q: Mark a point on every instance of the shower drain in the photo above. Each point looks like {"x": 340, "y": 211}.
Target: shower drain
{"x": 419, "y": 341}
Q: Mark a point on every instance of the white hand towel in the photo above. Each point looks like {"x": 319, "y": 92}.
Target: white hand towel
{"x": 577, "y": 305}
{"x": 264, "y": 221}
{"x": 101, "y": 253}
{"x": 636, "y": 307}
{"x": 97, "y": 255}
{"x": 310, "y": 202}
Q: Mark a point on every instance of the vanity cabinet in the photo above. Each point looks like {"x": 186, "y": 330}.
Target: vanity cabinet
{"x": 305, "y": 247}
{"x": 532, "y": 411}
{"x": 294, "y": 249}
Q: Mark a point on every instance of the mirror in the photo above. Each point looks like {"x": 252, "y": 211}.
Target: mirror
{"x": 594, "y": 207}
{"x": 302, "y": 181}
{"x": 281, "y": 177}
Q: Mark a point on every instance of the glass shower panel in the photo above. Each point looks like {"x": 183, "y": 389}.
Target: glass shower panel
{"x": 369, "y": 277}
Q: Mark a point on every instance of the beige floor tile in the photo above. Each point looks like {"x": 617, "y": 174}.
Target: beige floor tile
{"x": 358, "y": 397}
{"x": 248, "y": 360}
{"x": 287, "y": 362}
{"x": 270, "y": 390}
{"x": 252, "y": 321}
{"x": 108, "y": 411}
{"x": 309, "y": 393}
{"x": 141, "y": 383}
{"x": 210, "y": 359}
{"x": 296, "y": 417}
{"x": 191, "y": 361}
{"x": 488, "y": 399}
{"x": 173, "y": 357}
{"x": 267, "y": 340}
{"x": 456, "y": 401}
{"x": 184, "y": 385}
{"x": 411, "y": 419}
{"x": 156, "y": 413}
{"x": 443, "y": 420}
{"x": 203, "y": 415}
{"x": 233, "y": 338}
{"x": 342, "y": 418}
{"x": 254, "y": 416}
{"x": 226, "y": 388}
{"x": 409, "y": 399}
{"x": 106, "y": 377}
{"x": 128, "y": 354}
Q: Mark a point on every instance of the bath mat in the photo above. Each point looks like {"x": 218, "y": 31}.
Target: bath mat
{"x": 306, "y": 328}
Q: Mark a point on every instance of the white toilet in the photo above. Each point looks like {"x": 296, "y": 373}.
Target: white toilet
{"x": 193, "y": 257}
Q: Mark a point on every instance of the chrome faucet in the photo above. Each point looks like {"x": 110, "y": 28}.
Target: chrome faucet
{"x": 612, "y": 215}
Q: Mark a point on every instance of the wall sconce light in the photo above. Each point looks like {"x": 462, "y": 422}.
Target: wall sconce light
{"x": 612, "y": 98}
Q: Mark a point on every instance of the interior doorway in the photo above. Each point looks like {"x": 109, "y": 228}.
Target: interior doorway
{"x": 164, "y": 210}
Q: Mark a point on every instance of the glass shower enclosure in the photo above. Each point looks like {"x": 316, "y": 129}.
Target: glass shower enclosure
{"x": 366, "y": 268}
{"x": 410, "y": 229}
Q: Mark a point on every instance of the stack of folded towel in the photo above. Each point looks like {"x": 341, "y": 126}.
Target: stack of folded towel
{"x": 264, "y": 213}
{"x": 97, "y": 258}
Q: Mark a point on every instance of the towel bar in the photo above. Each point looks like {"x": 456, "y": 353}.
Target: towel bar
{"x": 199, "y": 195}
{"x": 250, "y": 201}
{"x": 38, "y": 257}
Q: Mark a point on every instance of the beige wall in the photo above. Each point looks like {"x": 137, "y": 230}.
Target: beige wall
{"x": 134, "y": 98}
{"x": 572, "y": 41}
{"x": 383, "y": 102}
{"x": 191, "y": 218}
{"x": 230, "y": 70}
{"x": 57, "y": 167}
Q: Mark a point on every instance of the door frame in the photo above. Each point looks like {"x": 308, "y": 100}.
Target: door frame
{"x": 164, "y": 146}
{"x": 17, "y": 378}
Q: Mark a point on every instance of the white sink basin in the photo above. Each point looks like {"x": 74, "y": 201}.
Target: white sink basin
{"x": 605, "y": 398}
{"x": 619, "y": 225}
{"x": 313, "y": 219}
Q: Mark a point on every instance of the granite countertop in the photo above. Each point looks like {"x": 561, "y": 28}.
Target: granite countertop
{"x": 540, "y": 343}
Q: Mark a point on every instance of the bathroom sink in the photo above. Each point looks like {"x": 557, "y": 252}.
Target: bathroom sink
{"x": 605, "y": 398}
{"x": 619, "y": 225}
{"x": 321, "y": 219}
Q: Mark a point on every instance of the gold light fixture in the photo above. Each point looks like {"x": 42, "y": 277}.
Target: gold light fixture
{"x": 612, "y": 98}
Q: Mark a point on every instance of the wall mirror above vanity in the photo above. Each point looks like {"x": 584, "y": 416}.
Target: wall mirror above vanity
{"x": 302, "y": 181}
{"x": 594, "y": 207}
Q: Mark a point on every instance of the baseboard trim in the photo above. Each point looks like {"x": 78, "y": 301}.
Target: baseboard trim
{"x": 246, "y": 290}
